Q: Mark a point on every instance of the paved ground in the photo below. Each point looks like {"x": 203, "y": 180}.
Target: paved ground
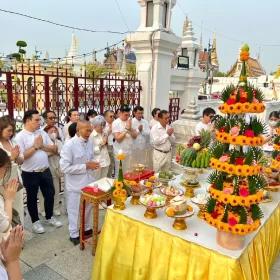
{"x": 51, "y": 256}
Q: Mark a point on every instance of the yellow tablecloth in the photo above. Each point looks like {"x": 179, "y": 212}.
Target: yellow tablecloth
{"x": 129, "y": 249}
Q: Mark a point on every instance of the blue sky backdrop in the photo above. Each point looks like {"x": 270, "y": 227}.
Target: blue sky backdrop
{"x": 253, "y": 22}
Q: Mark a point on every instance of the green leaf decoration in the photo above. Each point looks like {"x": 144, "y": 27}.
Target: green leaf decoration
{"x": 258, "y": 127}
{"x": 213, "y": 177}
{"x": 226, "y": 92}
{"x": 210, "y": 206}
{"x": 237, "y": 98}
{"x": 249, "y": 157}
{"x": 220, "y": 123}
{"x": 243, "y": 215}
{"x": 275, "y": 154}
{"x": 256, "y": 212}
{"x": 259, "y": 94}
{"x": 250, "y": 94}
{"x": 276, "y": 140}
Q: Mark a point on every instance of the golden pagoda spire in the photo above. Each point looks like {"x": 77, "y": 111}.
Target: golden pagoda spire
{"x": 214, "y": 57}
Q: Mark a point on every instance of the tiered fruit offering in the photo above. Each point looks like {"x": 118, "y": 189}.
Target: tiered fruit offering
{"x": 196, "y": 154}
{"x": 236, "y": 185}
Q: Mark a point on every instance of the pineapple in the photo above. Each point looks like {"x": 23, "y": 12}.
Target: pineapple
{"x": 205, "y": 138}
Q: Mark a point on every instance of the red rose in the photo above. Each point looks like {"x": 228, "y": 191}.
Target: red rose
{"x": 241, "y": 91}
{"x": 243, "y": 192}
{"x": 249, "y": 133}
{"x": 243, "y": 99}
{"x": 232, "y": 221}
{"x": 222, "y": 129}
{"x": 214, "y": 215}
{"x": 230, "y": 101}
{"x": 239, "y": 161}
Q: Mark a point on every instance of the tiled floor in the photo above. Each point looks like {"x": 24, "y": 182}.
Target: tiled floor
{"x": 51, "y": 256}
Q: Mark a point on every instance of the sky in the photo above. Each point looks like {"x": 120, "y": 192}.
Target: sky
{"x": 253, "y": 22}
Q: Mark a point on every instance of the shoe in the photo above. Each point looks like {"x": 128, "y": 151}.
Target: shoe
{"x": 56, "y": 212}
{"x": 75, "y": 240}
{"x": 43, "y": 214}
{"x": 37, "y": 227}
{"x": 103, "y": 204}
{"x": 53, "y": 222}
{"x": 88, "y": 232}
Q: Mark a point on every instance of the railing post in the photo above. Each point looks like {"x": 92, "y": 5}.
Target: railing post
{"x": 76, "y": 93}
{"x": 10, "y": 94}
{"x": 47, "y": 92}
{"x": 101, "y": 91}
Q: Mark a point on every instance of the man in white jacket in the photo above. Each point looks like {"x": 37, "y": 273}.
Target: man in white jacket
{"x": 77, "y": 164}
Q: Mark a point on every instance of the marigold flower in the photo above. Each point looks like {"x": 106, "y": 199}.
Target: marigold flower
{"x": 119, "y": 185}
{"x": 122, "y": 192}
{"x": 115, "y": 193}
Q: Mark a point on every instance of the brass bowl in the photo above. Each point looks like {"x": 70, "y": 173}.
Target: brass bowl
{"x": 180, "y": 221}
{"x": 165, "y": 181}
{"x": 202, "y": 208}
{"x": 189, "y": 189}
{"x": 138, "y": 167}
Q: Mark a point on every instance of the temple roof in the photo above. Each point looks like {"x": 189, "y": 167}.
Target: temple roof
{"x": 253, "y": 68}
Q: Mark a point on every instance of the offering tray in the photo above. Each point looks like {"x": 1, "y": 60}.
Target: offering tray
{"x": 136, "y": 196}
{"x": 155, "y": 184}
{"x": 190, "y": 188}
{"x": 165, "y": 181}
{"x": 180, "y": 223}
{"x": 202, "y": 208}
{"x": 138, "y": 168}
{"x": 151, "y": 210}
{"x": 169, "y": 196}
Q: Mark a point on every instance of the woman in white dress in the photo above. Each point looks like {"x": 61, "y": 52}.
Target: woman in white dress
{"x": 55, "y": 170}
{"x": 99, "y": 140}
{"x": 8, "y": 144}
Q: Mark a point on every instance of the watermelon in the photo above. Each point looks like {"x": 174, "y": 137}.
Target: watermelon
{"x": 188, "y": 156}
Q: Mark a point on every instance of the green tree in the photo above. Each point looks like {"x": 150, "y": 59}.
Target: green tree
{"x": 272, "y": 73}
{"x": 21, "y": 51}
{"x": 99, "y": 70}
{"x": 220, "y": 74}
{"x": 131, "y": 69}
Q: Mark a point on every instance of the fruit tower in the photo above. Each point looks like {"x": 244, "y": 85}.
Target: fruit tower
{"x": 236, "y": 184}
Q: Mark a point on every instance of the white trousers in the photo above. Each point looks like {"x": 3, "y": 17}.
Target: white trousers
{"x": 18, "y": 205}
{"x": 73, "y": 210}
{"x": 161, "y": 161}
{"x": 125, "y": 166}
{"x": 56, "y": 196}
{"x": 100, "y": 173}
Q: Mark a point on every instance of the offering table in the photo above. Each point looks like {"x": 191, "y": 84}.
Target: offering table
{"x": 133, "y": 247}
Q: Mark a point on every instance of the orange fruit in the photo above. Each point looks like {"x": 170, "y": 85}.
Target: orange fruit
{"x": 170, "y": 212}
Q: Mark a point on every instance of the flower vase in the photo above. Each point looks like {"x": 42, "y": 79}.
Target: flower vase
{"x": 119, "y": 203}
{"x": 230, "y": 241}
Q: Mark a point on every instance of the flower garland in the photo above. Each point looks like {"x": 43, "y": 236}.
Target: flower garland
{"x": 276, "y": 147}
{"x": 241, "y": 140}
{"x": 239, "y": 108}
{"x": 275, "y": 164}
{"x": 239, "y": 170}
{"x": 240, "y": 229}
{"x": 243, "y": 199}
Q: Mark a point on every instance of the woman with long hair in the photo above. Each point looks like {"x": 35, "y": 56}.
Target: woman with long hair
{"x": 9, "y": 145}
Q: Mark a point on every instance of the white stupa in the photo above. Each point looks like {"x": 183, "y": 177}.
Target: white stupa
{"x": 72, "y": 55}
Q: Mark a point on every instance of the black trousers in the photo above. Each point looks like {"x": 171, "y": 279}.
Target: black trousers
{"x": 32, "y": 181}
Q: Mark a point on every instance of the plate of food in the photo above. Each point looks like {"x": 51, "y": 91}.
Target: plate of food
{"x": 165, "y": 177}
{"x": 150, "y": 183}
{"x": 152, "y": 200}
{"x": 200, "y": 199}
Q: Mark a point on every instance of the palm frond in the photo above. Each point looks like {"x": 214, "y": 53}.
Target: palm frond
{"x": 256, "y": 212}
{"x": 226, "y": 92}
{"x": 210, "y": 205}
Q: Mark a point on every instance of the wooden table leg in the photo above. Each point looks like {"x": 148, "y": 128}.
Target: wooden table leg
{"x": 82, "y": 222}
{"x": 95, "y": 226}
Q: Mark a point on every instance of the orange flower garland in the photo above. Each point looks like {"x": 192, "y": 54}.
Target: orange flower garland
{"x": 239, "y": 170}
{"x": 240, "y": 229}
{"x": 239, "y": 108}
{"x": 276, "y": 147}
{"x": 278, "y": 131}
{"x": 241, "y": 140}
{"x": 235, "y": 200}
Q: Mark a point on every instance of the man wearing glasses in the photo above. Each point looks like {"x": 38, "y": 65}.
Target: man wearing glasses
{"x": 208, "y": 114}
{"x": 51, "y": 120}
{"x": 124, "y": 135}
{"x": 162, "y": 135}
{"x": 110, "y": 117}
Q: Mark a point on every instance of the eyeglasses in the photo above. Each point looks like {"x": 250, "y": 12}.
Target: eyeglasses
{"x": 52, "y": 118}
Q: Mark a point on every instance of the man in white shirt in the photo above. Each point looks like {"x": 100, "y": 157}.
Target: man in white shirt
{"x": 162, "y": 135}
{"x": 205, "y": 123}
{"x": 50, "y": 119}
{"x": 109, "y": 117}
{"x": 154, "y": 120}
{"x": 35, "y": 144}
{"x": 142, "y": 141}
{"x": 77, "y": 163}
{"x": 74, "y": 117}
{"x": 124, "y": 135}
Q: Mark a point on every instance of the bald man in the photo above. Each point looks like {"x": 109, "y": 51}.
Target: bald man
{"x": 77, "y": 164}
